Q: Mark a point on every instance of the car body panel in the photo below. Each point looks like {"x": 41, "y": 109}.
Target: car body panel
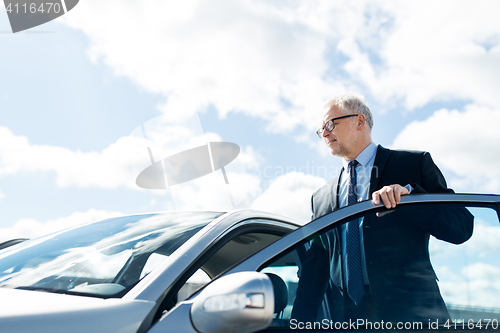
{"x": 29, "y": 311}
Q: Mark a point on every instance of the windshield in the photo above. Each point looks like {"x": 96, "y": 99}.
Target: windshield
{"x": 103, "y": 259}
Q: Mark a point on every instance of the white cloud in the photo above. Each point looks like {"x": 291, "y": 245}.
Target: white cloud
{"x": 426, "y": 51}
{"x": 122, "y": 161}
{"x": 290, "y": 195}
{"x": 212, "y": 193}
{"x": 243, "y": 56}
{"x": 476, "y": 285}
{"x": 466, "y": 143}
{"x": 167, "y": 135}
{"x": 468, "y": 273}
{"x": 280, "y": 61}
{"x": 483, "y": 243}
{"x": 31, "y": 228}
{"x": 108, "y": 168}
{"x": 485, "y": 239}
{"x": 482, "y": 271}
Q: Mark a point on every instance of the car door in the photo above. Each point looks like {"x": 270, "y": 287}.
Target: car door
{"x": 442, "y": 248}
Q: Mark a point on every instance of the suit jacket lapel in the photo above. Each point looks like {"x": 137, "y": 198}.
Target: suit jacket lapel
{"x": 334, "y": 193}
{"x": 378, "y": 168}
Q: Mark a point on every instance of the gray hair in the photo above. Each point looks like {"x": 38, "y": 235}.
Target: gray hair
{"x": 354, "y": 103}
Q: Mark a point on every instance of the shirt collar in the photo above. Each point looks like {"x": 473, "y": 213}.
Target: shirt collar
{"x": 365, "y": 156}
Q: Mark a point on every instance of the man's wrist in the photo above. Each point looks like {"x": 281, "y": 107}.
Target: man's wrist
{"x": 409, "y": 188}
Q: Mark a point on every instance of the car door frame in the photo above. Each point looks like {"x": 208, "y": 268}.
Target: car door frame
{"x": 260, "y": 259}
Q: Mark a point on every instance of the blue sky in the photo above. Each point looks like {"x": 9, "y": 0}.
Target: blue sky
{"x": 75, "y": 91}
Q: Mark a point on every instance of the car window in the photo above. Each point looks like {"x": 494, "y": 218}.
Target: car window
{"x": 286, "y": 268}
{"x": 195, "y": 282}
{"x": 468, "y": 273}
{"x": 231, "y": 252}
{"x": 425, "y": 265}
{"x": 237, "y": 249}
{"x": 154, "y": 260}
{"x": 223, "y": 255}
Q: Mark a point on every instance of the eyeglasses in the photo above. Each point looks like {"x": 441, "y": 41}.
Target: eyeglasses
{"x": 330, "y": 125}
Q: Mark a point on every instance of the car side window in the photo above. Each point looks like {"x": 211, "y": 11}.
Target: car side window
{"x": 286, "y": 269}
{"x": 468, "y": 273}
{"x": 195, "y": 282}
{"x": 421, "y": 264}
{"x": 235, "y": 250}
{"x": 223, "y": 255}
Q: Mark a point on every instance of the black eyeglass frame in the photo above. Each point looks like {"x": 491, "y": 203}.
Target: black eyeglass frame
{"x": 330, "y": 123}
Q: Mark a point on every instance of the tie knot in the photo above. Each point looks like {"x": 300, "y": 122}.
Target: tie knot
{"x": 353, "y": 164}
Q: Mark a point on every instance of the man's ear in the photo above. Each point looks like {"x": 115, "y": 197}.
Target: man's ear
{"x": 361, "y": 120}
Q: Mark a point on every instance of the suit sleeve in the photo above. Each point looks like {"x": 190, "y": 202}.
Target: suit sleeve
{"x": 432, "y": 179}
{"x": 452, "y": 224}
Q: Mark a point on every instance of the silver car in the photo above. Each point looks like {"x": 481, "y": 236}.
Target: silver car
{"x": 229, "y": 272}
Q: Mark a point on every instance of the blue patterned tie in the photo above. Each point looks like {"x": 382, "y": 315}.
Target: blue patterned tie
{"x": 354, "y": 276}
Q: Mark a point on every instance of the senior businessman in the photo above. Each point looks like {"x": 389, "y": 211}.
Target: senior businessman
{"x": 361, "y": 268}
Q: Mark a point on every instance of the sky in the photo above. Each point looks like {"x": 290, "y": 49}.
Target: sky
{"x": 84, "y": 96}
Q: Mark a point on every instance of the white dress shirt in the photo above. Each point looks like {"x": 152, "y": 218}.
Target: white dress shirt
{"x": 363, "y": 174}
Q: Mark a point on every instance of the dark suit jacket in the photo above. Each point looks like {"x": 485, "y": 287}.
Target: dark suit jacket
{"x": 402, "y": 280}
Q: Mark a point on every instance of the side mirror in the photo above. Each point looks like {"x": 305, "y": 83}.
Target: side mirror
{"x": 242, "y": 302}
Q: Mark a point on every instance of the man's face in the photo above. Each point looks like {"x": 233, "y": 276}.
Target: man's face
{"x": 342, "y": 139}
